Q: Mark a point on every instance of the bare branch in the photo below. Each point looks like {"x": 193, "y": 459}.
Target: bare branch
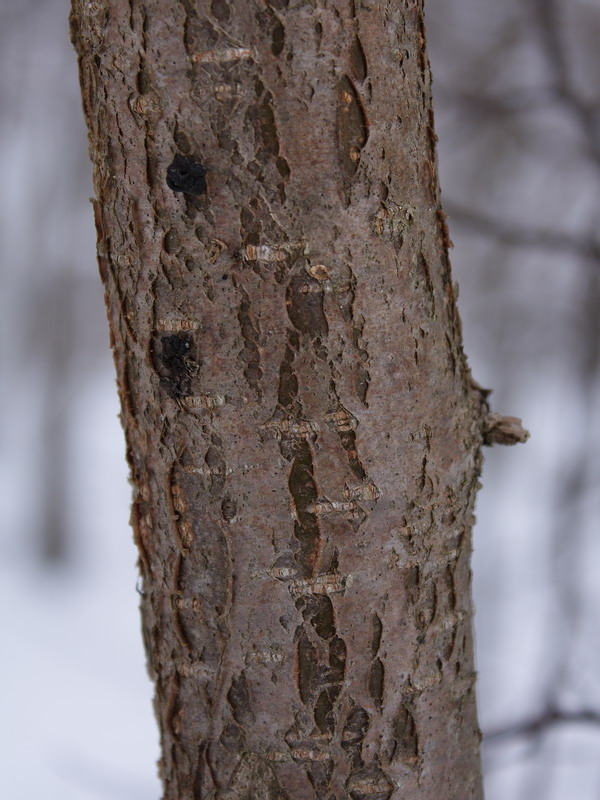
{"x": 512, "y": 236}
{"x": 549, "y": 26}
{"x": 539, "y": 725}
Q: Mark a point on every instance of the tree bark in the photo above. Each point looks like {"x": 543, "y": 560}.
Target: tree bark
{"x": 302, "y": 429}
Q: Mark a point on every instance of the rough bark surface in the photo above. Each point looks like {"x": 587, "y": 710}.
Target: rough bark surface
{"x": 302, "y": 430}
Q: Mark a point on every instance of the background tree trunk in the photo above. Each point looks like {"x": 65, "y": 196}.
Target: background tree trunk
{"x": 303, "y": 434}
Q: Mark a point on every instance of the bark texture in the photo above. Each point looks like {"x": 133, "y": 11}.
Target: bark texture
{"x": 302, "y": 430}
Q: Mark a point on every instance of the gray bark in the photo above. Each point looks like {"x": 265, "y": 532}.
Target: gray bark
{"x": 302, "y": 429}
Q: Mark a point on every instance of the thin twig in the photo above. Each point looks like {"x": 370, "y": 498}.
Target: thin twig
{"x": 539, "y": 725}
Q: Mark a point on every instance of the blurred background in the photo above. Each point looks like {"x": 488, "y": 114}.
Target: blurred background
{"x": 517, "y": 91}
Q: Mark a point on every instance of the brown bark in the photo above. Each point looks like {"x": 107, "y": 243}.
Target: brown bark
{"x": 303, "y": 434}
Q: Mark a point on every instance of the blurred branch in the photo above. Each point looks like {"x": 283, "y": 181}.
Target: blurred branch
{"x": 513, "y": 102}
{"x": 549, "y": 26}
{"x": 537, "y": 726}
{"x": 504, "y": 233}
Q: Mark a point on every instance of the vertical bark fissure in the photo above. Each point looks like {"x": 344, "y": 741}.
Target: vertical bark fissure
{"x": 302, "y": 430}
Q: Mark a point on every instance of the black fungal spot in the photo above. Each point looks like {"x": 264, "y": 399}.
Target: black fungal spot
{"x": 175, "y": 361}
{"x": 174, "y": 350}
{"x": 186, "y": 174}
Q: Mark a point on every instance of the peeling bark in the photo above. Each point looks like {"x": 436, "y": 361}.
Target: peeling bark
{"x": 302, "y": 430}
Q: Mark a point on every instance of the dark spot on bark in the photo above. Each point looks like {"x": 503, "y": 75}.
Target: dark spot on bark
{"x": 228, "y": 509}
{"x": 175, "y": 349}
{"x": 318, "y": 33}
{"x": 363, "y": 379}
{"x": 267, "y": 126}
{"x": 288, "y": 381}
{"x": 220, "y": 10}
{"x": 324, "y": 718}
{"x": 319, "y": 774}
{"x": 358, "y": 60}
{"x": 303, "y": 490}
{"x": 352, "y": 127}
{"x": 218, "y": 469}
{"x": 283, "y": 168}
{"x": 377, "y": 632}
{"x": 369, "y": 784}
{"x": 176, "y": 363}
{"x": 451, "y": 587}
{"x": 238, "y": 698}
{"x": 411, "y": 581}
{"x": 200, "y": 772}
{"x": 277, "y": 37}
{"x": 355, "y": 729}
{"x": 182, "y": 141}
{"x": 143, "y": 82}
{"x": 376, "y": 676}
{"x": 427, "y": 606}
{"x": 252, "y": 779}
{"x": 308, "y": 668}
{"x": 171, "y": 242}
{"x": 150, "y": 170}
{"x": 424, "y": 275}
{"x": 446, "y": 643}
{"x": 319, "y": 612}
{"x": 305, "y": 305}
{"x": 250, "y": 354}
{"x": 337, "y": 663}
{"x": 233, "y": 738}
{"x": 186, "y": 174}
{"x": 405, "y": 736}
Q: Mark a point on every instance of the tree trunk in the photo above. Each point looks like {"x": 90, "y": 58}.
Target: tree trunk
{"x": 302, "y": 430}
